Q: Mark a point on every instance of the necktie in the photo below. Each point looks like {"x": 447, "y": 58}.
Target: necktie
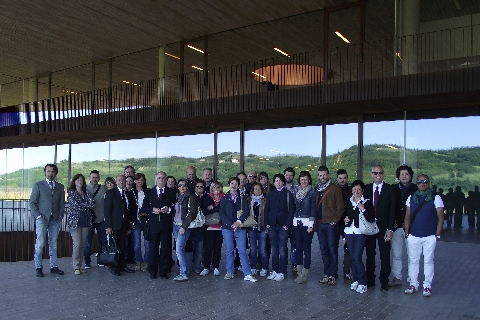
{"x": 125, "y": 206}
{"x": 160, "y": 195}
{"x": 376, "y": 195}
{"x": 50, "y": 183}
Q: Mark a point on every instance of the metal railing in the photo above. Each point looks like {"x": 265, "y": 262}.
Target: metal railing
{"x": 349, "y": 75}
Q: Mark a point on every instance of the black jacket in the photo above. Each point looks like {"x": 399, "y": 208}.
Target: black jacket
{"x": 113, "y": 207}
{"x": 163, "y": 221}
{"x": 386, "y": 206}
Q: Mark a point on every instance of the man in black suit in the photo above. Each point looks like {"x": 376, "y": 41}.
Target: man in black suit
{"x": 159, "y": 205}
{"x": 117, "y": 206}
{"x": 383, "y": 196}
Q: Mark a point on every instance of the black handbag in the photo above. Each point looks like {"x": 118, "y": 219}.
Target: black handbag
{"x": 109, "y": 254}
{"x": 145, "y": 227}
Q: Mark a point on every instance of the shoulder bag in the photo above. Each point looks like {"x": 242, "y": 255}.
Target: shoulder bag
{"x": 368, "y": 228}
{"x": 109, "y": 253}
{"x": 250, "y": 221}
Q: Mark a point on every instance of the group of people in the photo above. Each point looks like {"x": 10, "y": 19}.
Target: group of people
{"x": 254, "y": 219}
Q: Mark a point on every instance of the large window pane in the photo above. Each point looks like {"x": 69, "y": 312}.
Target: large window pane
{"x": 447, "y": 150}
{"x": 3, "y": 174}
{"x": 228, "y": 156}
{"x": 34, "y": 161}
{"x": 175, "y": 154}
{"x": 383, "y": 145}
{"x": 273, "y": 150}
{"x": 91, "y": 156}
{"x": 342, "y": 147}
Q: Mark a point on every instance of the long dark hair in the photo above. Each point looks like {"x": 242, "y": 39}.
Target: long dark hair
{"x": 72, "y": 185}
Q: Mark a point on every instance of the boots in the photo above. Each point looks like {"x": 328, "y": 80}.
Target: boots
{"x": 304, "y": 276}
{"x": 299, "y": 273}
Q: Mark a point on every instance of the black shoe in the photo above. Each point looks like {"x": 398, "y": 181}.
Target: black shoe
{"x": 127, "y": 270}
{"x": 153, "y": 276}
{"x": 39, "y": 272}
{"x": 115, "y": 272}
{"x": 384, "y": 287}
{"x": 370, "y": 284}
{"x": 163, "y": 276}
{"x": 57, "y": 271}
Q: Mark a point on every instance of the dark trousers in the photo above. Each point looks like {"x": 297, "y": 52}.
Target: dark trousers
{"x": 303, "y": 244}
{"x": 212, "y": 248}
{"x": 384, "y": 248}
{"x": 87, "y": 251}
{"x": 328, "y": 240}
{"x": 458, "y": 217}
{"x": 162, "y": 264}
{"x": 121, "y": 241}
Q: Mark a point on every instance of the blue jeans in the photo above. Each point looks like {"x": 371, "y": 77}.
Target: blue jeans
{"x": 328, "y": 240}
{"x": 196, "y": 236}
{"x": 87, "y": 251}
{"x": 278, "y": 239}
{"x": 241, "y": 239}
{"x": 303, "y": 243}
{"x": 180, "y": 248}
{"x": 258, "y": 241}
{"x": 137, "y": 244}
{"x": 356, "y": 244}
{"x": 41, "y": 228}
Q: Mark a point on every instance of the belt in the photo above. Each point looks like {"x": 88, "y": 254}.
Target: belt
{"x": 177, "y": 223}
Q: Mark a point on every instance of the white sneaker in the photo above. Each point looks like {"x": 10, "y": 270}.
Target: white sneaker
{"x": 263, "y": 272}
{"x": 354, "y": 285}
{"x": 411, "y": 290}
{"x": 216, "y": 272}
{"x": 250, "y": 278}
{"x": 361, "y": 288}
{"x": 254, "y": 272}
{"x": 204, "y": 272}
{"x": 228, "y": 276}
{"x": 279, "y": 277}
{"x": 77, "y": 272}
{"x": 272, "y": 275}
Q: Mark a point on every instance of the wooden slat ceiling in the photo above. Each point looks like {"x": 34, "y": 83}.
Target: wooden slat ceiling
{"x": 43, "y": 36}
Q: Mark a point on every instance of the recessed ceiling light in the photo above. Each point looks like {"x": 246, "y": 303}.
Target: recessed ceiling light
{"x": 196, "y": 49}
{"x": 282, "y": 52}
{"x": 398, "y": 55}
{"x": 195, "y": 67}
{"x": 258, "y": 74}
{"x": 341, "y": 36}
{"x": 171, "y": 55}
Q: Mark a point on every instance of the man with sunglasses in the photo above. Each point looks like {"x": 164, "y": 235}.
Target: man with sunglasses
{"x": 423, "y": 227}
{"x": 252, "y": 178}
{"x": 384, "y": 204}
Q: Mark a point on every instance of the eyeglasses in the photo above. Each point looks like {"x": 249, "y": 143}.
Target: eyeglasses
{"x": 377, "y": 172}
{"x": 424, "y": 181}
{"x": 182, "y": 185}
{"x": 199, "y": 186}
{"x": 251, "y": 176}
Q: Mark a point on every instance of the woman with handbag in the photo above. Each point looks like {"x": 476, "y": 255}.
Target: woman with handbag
{"x": 186, "y": 209}
{"x": 234, "y": 211}
{"x": 80, "y": 201}
{"x": 355, "y": 208}
{"x": 139, "y": 194}
{"x": 303, "y": 222}
{"x": 212, "y": 230}
{"x": 257, "y": 237}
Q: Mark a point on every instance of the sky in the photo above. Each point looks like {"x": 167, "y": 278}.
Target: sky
{"x": 432, "y": 134}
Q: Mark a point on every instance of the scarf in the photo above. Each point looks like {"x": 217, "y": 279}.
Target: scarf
{"x": 427, "y": 194}
{"x": 182, "y": 196}
{"x": 321, "y": 187}
{"x": 256, "y": 199}
{"x": 220, "y": 196}
{"x": 301, "y": 193}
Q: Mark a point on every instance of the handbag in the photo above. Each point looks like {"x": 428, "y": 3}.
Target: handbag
{"x": 213, "y": 218}
{"x": 109, "y": 254}
{"x": 145, "y": 227}
{"x": 199, "y": 220}
{"x": 250, "y": 221}
{"x": 368, "y": 228}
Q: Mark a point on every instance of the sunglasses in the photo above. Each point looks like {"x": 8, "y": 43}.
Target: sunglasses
{"x": 424, "y": 181}
{"x": 251, "y": 176}
{"x": 182, "y": 185}
{"x": 377, "y": 172}
{"x": 198, "y": 186}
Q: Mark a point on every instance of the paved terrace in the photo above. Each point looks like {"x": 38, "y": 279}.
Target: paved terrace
{"x": 98, "y": 294}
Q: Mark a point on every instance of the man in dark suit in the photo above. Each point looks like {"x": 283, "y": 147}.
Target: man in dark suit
{"x": 117, "y": 206}
{"x": 47, "y": 204}
{"x": 159, "y": 205}
{"x": 383, "y": 196}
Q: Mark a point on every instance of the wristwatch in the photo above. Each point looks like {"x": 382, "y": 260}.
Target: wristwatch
{"x": 438, "y": 237}
{"x": 406, "y": 235}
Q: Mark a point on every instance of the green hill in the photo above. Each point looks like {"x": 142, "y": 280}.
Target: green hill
{"x": 446, "y": 168}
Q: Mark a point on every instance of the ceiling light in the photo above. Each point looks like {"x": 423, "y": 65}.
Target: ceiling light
{"x": 282, "y": 52}
{"x": 196, "y": 49}
{"x": 398, "y": 55}
{"x": 171, "y": 55}
{"x": 132, "y": 83}
{"x": 341, "y": 36}
{"x": 195, "y": 67}
{"x": 258, "y": 74}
